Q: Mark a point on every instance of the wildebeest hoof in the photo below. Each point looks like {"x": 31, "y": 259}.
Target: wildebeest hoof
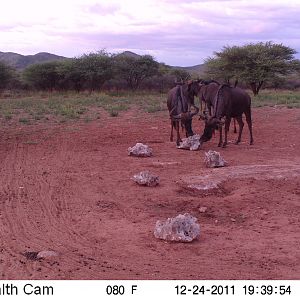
{"x": 237, "y": 142}
{"x": 224, "y": 145}
{"x": 220, "y": 144}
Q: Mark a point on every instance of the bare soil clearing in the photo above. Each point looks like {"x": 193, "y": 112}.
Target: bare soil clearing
{"x": 66, "y": 188}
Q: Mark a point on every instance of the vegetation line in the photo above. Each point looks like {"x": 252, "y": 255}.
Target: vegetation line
{"x": 61, "y": 107}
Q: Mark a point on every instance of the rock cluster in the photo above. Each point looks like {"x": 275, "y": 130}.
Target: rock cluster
{"x": 183, "y": 228}
{"x": 191, "y": 143}
{"x": 146, "y": 178}
{"x": 140, "y": 150}
{"x": 213, "y": 159}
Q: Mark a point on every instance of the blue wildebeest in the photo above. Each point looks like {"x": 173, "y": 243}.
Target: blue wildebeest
{"x": 207, "y": 101}
{"x": 224, "y": 101}
{"x": 180, "y": 101}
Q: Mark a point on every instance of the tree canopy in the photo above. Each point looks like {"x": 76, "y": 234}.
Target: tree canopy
{"x": 136, "y": 69}
{"x": 6, "y": 75}
{"x": 44, "y": 76}
{"x": 253, "y": 64}
{"x": 88, "y": 71}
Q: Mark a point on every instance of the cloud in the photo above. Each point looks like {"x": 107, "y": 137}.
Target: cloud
{"x": 174, "y": 31}
{"x": 102, "y": 9}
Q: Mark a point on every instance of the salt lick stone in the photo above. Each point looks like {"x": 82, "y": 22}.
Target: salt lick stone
{"x": 213, "y": 159}
{"x": 46, "y": 254}
{"x": 140, "y": 150}
{"x": 183, "y": 228}
{"x": 191, "y": 143}
{"x": 146, "y": 178}
{"x": 217, "y": 176}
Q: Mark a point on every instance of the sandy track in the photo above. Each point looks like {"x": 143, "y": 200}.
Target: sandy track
{"x": 67, "y": 188}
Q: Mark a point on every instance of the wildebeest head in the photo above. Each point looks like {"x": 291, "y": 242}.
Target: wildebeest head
{"x": 205, "y": 89}
{"x": 193, "y": 89}
{"x": 211, "y": 124}
{"x": 190, "y": 89}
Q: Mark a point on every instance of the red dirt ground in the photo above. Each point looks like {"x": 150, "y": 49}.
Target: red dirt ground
{"x": 67, "y": 188}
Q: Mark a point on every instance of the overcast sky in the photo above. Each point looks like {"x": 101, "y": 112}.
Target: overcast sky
{"x": 176, "y": 32}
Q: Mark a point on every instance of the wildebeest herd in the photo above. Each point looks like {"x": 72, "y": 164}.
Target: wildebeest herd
{"x": 220, "y": 101}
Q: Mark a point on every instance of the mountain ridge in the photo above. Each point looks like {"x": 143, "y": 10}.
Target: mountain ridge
{"x": 20, "y": 61}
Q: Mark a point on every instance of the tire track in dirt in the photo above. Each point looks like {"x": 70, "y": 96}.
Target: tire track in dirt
{"x": 44, "y": 206}
{"x": 76, "y": 197}
{"x": 34, "y": 203}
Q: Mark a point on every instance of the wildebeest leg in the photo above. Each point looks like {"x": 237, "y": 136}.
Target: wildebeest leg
{"x": 188, "y": 128}
{"x": 183, "y": 127}
{"x": 221, "y": 137}
{"x": 171, "y": 135}
{"x": 227, "y": 125}
{"x": 241, "y": 125}
{"x": 249, "y": 122}
{"x": 234, "y": 126}
{"x": 178, "y": 134}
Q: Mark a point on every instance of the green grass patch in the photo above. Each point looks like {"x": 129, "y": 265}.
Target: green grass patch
{"x": 65, "y": 106}
{"x": 62, "y": 107}
{"x": 290, "y": 99}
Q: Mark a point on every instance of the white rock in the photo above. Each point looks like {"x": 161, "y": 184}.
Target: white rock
{"x": 191, "y": 143}
{"x": 140, "y": 150}
{"x": 46, "y": 253}
{"x": 213, "y": 159}
{"x": 203, "y": 209}
{"x": 146, "y": 178}
{"x": 183, "y": 228}
{"x": 216, "y": 177}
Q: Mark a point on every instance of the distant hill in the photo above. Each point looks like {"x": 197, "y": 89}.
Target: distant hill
{"x": 20, "y": 62}
{"x": 128, "y": 54}
{"x": 194, "y": 70}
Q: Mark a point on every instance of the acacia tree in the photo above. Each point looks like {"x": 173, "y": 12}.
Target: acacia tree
{"x": 181, "y": 74}
{"x": 43, "y": 76}
{"x": 89, "y": 71}
{"x": 254, "y": 64}
{"x": 96, "y": 69}
{"x": 225, "y": 65}
{"x": 6, "y": 75}
{"x": 135, "y": 69}
{"x": 72, "y": 77}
